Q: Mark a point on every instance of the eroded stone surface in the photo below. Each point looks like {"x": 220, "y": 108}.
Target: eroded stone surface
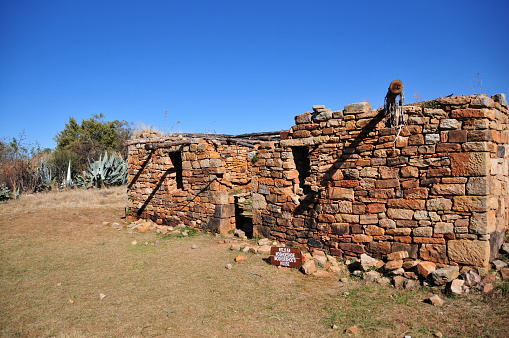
{"x": 476, "y": 253}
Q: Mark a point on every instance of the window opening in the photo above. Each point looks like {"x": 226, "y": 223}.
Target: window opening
{"x": 176, "y": 160}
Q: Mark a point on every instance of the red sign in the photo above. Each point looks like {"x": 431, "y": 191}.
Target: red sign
{"x": 288, "y": 257}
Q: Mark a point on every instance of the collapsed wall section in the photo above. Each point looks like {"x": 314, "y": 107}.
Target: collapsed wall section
{"x": 186, "y": 181}
{"x": 344, "y": 182}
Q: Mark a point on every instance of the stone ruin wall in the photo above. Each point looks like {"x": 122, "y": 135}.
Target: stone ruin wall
{"x": 341, "y": 181}
{"x": 439, "y": 191}
{"x": 202, "y": 196}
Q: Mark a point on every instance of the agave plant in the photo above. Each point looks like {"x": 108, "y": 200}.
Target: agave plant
{"x": 108, "y": 171}
{"x": 5, "y": 192}
{"x": 44, "y": 176}
{"x": 68, "y": 180}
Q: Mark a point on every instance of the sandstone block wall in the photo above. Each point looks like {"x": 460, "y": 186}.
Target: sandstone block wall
{"x": 342, "y": 181}
{"x": 191, "y": 183}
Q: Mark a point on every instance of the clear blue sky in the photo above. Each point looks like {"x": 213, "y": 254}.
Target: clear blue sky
{"x": 235, "y": 66}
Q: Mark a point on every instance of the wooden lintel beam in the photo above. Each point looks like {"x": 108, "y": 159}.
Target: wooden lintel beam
{"x": 153, "y": 146}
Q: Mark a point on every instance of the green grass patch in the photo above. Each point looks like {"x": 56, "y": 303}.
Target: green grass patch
{"x": 143, "y": 249}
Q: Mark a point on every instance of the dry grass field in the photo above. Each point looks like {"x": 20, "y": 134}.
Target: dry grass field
{"x": 56, "y": 259}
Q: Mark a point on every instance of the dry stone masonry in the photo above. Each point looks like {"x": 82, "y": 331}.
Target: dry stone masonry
{"x": 341, "y": 181}
{"x": 190, "y": 182}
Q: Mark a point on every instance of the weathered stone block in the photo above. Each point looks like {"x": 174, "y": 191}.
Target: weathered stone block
{"x": 341, "y": 207}
{"x": 421, "y": 215}
{"x": 367, "y": 183}
{"x": 359, "y": 238}
{"x": 357, "y": 108}
{"x": 457, "y": 136}
{"x": 438, "y": 172}
{"x": 482, "y": 223}
{"x": 389, "y": 183}
{"x": 349, "y": 218}
{"x": 412, "y": 249}
{"x": 455, "y": 100}
{"x": 258, "y": 201}
{"x": 291, "y": 174}
{"x": 368, "y": 219}
{"x": 436, "y": 113}
{"x": 373, "y": 230}
{"x": 445, "y": 275}
{"x": 222, "y": 225}
{"x": 397, "y": 255}
{"x": 500, "y": 98}
{"x": 433, "y": 252}
{"x": 323, "y": 115}
{"x": 480, "y": 135}
{"x": 448, "y": 189}
{"x": 335, "y": 193}
{"x": 303, "y": 118}
{"x": 404, "y": 223}
{"x": 387, "y": 223}
{"x": 301, "y": 133}
{"x": 467, "y": 252}
{"x": 471, "y": 203}
{"x": 340, "y": 229}
{"x": 416, "y": 193}
{"x": 478, "y": 186}
{"x": 439, "y": 204}
{"x": 388, "y": 173}
{"x": 450, "y": 124}
{"x": 369, "y": 172}
{"x": 224, "y": 211}
{"x": 355, "y": 248}
{"x": 448, "y": 147}
{"x": 308, "y": 267}
{"x": 394, "y": 161}
{"x": 470, "y": 164}
{"x": 423, "y": 232}
{"x": 428, "y": 240}
{"x": 309, "y": 141}
{"x": 432, "y": 138}
{"x": 482, "y": 101}
{"x": 416, "y": 140}
{"x": 406, "y": 204}
{"x": 425, "y": 268}
{"x": 470, "y": 113}
{"x": 444, "y": 228}
{"x": 363, "y": 123}
{"x": 409, "y": 171}
{"x": 475, "y": 146}
{"x": 218, "y": 197}
{"x": 400, "y": 213}
{"x": 325, "y": 218}
{"x": 393, "y": 264}
{"x": 399, "y": 232}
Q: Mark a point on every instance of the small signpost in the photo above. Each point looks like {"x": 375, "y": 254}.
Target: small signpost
{"x": 288, "y": 257}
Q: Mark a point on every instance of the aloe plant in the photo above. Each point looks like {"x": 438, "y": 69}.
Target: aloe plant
{"x": 5, "y": 192}
{"x": 44, "y": 176}
{"x": 108, "y": 171}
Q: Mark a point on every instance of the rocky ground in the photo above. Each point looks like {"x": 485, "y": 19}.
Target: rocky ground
{"x": 399, "y": 270}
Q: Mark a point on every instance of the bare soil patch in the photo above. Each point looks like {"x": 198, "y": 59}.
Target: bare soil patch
{"x": 56, "y": 259}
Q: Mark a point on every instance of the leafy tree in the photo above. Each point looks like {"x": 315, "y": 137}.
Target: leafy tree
{"x": 93, "y": 136}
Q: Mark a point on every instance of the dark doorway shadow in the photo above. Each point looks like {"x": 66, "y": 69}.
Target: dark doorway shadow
{"x": 244, "y": 215}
